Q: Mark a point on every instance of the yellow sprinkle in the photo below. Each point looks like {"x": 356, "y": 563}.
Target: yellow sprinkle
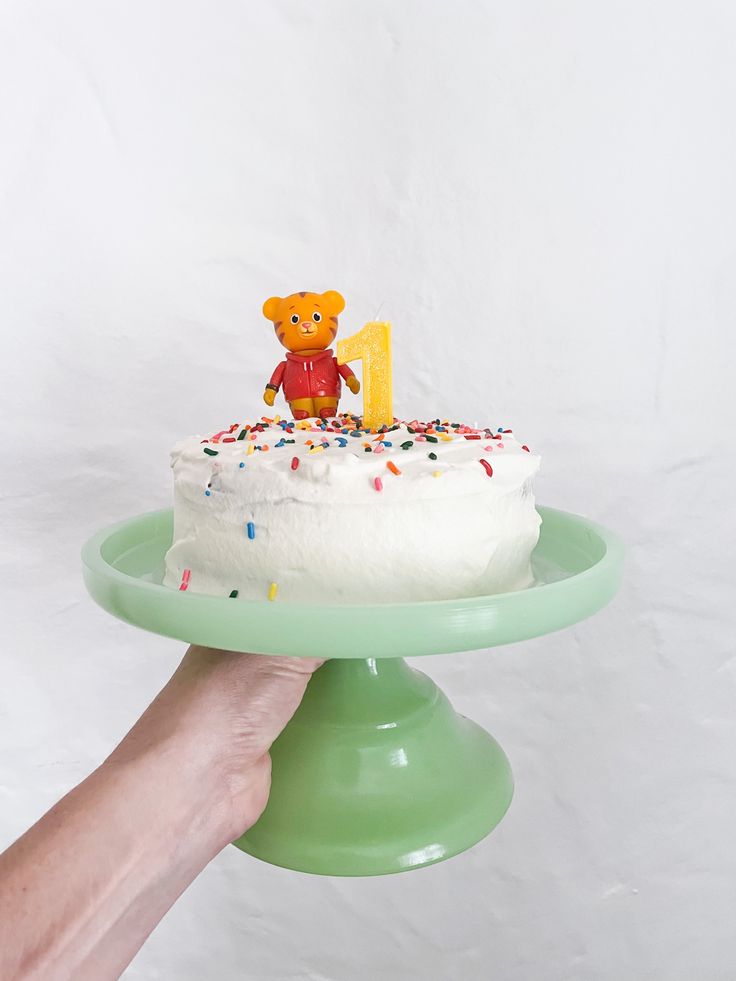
{"x": 277, "y": 419}
{"x": 249, "y": 451}
{"x": 445, "y": 437}
{"x": 316, "y": 449}
{"x": 436, "y": 473}
{"x": 272, "y": 591}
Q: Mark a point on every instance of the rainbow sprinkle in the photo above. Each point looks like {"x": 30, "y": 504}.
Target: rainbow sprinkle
{"x": 272, "y": 590}
{"x": 331, "y": 435}
{"x": 251, "y": 530}
{"x": 185, "y": 577}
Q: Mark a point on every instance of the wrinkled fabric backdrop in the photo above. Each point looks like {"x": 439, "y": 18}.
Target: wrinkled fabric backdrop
{"x": 540, "y": 197}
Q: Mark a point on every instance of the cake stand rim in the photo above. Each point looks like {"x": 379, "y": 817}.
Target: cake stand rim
{"x": 469, "y": 623}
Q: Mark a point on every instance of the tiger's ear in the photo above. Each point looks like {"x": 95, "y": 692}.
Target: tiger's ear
{"x": 334, "y": 301}
{"x": 271, "y": 308}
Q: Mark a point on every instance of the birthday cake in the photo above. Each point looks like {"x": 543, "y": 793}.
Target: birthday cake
{"x": 336, "y": 508}
{"x": 326, "y": 511}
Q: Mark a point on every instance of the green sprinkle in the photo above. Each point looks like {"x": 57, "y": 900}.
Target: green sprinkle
{"x": 407, "y": 445}
{"x": 241, "y": 435}
{"x": 432, "y": 439}
{"x": 368, "y": 449}
{"x": 210, "y": 452}
{"x": 432, "y": 456}
{"x": 234, "y": 594}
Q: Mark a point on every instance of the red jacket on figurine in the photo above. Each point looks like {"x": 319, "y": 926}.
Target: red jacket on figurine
{"x": 310, "y": 376}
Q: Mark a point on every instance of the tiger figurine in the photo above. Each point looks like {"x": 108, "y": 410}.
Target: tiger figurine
{"x": 306, "y": 323}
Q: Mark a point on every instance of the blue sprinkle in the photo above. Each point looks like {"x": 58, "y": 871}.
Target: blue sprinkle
{"x": 207, "y": 493}
{"x": 241, "y": 465}
{"x": 251, "y": 530}
{"x": 341, "y": 441}
{"x": 354, "y": 432}
{"x": 280, "y": 443}
{"x": 386, "y": 442}
{"x": 500, "y": 429}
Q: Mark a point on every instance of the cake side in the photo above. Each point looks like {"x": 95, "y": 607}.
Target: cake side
{"x": 329, "y": 512}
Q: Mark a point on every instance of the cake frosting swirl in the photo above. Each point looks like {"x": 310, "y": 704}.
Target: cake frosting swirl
{"x": 327, "y": 511}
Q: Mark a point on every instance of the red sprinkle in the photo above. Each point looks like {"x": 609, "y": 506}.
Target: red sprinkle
{"x": 472, "y": 436}
{"x": 526, "y": 448}
{"x": 185, "y": 579}
{"x": 378, "y": 484}
{"x": 487, "y": 467}
{"x": 294, "y": 462}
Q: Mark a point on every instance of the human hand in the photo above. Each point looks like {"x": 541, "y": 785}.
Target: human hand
{"x": 192, "y": 775}
{"x": 222, "y": 711}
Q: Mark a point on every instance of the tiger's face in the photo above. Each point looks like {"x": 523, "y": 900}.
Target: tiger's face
{"x": 305, "y": 321}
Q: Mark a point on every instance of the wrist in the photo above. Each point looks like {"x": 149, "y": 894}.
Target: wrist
{"x": 182, "y": 760}
{"x": 179, "y": 797}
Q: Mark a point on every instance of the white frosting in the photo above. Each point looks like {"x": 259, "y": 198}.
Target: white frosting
{"x": 324, "y": 533}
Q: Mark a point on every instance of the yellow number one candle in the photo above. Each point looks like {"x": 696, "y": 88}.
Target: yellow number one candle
{"x": 372, "y": 346}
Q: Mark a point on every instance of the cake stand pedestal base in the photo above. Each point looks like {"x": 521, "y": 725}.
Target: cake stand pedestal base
{"x": 377, "y": 773}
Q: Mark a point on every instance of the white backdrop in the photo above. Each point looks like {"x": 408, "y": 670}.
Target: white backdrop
{"x": 540, "y": 197}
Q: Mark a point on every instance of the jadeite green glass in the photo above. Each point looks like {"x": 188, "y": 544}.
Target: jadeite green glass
{"x": 376, "y": 773}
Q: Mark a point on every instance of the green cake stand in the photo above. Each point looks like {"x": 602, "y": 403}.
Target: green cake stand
{"x": 376, "y": 772}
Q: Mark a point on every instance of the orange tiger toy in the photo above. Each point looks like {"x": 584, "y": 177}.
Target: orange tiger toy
{"x": 306, "y": 323}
